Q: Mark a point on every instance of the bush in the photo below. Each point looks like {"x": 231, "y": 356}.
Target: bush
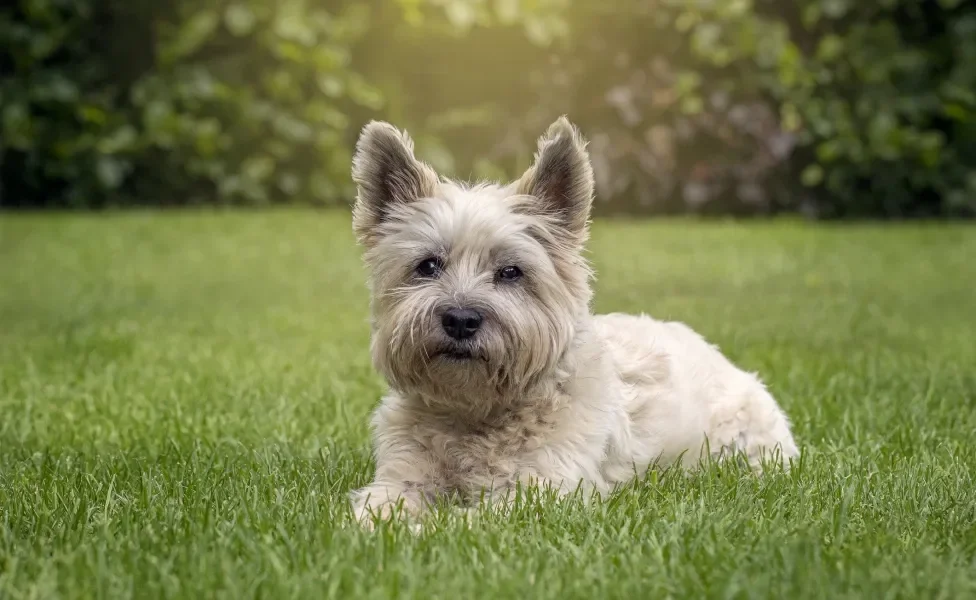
{"x": 179, "y": 102}
{"x": 834, "y": 108}
{"x": 883, "y": 97}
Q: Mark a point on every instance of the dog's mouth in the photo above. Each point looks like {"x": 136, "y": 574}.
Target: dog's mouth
{"x": 456, "y": 355}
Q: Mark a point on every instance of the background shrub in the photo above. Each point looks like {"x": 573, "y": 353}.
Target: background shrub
{"x": 834, "y": 108}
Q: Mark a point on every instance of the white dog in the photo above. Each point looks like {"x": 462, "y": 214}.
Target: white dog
{"x": 498, "y": 372}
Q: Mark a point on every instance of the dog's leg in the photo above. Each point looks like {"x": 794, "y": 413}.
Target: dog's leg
{"x": 384, "y": 500}
{"x": 755, "y": 427}
{"x": 404, "y": 484}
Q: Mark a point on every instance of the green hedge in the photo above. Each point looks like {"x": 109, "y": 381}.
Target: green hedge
{"x": 835, "y": 108}
{"x": 179, "y": 102}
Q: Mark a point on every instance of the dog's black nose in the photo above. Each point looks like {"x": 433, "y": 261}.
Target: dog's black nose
{"x": 461, "y": 323}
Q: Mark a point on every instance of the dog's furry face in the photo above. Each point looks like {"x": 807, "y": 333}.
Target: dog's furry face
{"x": 476, "y": 290}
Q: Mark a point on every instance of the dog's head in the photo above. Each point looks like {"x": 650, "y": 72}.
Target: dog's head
{"x": 476, "y": 290}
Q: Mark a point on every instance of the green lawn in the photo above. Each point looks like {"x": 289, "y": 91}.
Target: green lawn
{"x": 184, "y": 402}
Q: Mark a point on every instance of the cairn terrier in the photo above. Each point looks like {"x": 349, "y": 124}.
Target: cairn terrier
{"x": 499, "y": 375}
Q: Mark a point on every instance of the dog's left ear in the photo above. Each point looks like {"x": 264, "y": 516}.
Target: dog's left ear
{"x": 388, "y": 176}
{"x": 562, "y": 179}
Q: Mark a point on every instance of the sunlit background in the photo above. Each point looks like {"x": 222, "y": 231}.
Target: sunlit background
{"x": 828, "y": 108}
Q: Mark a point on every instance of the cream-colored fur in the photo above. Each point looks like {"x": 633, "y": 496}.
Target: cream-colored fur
{"x": 544, "y": 392}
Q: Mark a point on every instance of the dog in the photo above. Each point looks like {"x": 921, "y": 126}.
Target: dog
{"x": 499, "y": 375}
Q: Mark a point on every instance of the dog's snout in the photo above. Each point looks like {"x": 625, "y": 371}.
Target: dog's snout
{"x": 461, "y": 323}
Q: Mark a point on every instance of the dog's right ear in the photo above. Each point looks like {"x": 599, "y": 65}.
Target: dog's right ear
{"x": 387, "y": 175}
{"x": 561, "y": 180}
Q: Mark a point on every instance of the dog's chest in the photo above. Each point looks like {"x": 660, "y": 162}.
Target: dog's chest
{"x": 467, "y": 458}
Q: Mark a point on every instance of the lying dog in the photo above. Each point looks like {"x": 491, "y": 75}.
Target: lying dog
{"x": 498, "y": 372}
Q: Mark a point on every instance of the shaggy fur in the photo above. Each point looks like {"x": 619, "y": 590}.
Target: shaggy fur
{"x": 544, "y": 392}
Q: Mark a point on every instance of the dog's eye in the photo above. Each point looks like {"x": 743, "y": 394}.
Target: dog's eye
{"x": 509, "y": 273}
{"x": 429, "y": 267}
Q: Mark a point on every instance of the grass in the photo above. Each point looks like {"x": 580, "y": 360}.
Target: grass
{"x": 184, "y": 402}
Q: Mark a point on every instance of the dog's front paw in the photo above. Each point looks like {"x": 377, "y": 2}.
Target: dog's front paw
{"x": 376, "y": 503}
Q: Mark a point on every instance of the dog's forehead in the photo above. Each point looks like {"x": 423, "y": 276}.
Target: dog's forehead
{"x": 464, "y": 219}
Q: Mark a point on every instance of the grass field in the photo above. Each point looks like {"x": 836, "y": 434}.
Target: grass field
{"x": 184, "y": 397}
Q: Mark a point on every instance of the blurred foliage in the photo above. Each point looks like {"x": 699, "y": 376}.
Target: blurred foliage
{"x": 835, "y": 108}
{"x": 179, "y": 102}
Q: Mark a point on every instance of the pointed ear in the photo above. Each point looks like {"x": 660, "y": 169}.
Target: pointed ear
{"x": 387, "y": 175}
{"x": 562, "y": 179}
